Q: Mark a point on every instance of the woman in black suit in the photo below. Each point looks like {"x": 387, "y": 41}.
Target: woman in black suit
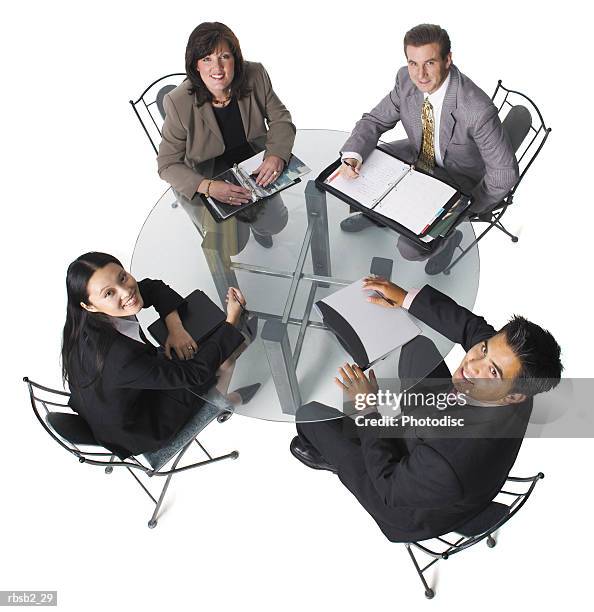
{"x": 135, "y": 398}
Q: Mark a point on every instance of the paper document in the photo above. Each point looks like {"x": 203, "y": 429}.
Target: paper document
{"x": 416, "y": 201}
{"x": 378, "y": 174}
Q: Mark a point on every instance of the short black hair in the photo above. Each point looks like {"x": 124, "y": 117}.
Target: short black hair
{"x": 427, "y": 34}
{"x": 538, "y": 352}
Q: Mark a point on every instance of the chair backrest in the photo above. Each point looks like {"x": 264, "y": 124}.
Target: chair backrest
{"x": 494, "y": 516}
{"x": 68, "y": 429}
{"x": 149, "y": 108}
{"x": 524, "y": 125}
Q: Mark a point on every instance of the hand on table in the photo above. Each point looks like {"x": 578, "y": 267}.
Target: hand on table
{"x": 354, "y": 382}
{"x": 393, "y": 293}
{"x": 229, "y": 194}
{"x": 269, "y": 170}
{"x": 181, "y": 342}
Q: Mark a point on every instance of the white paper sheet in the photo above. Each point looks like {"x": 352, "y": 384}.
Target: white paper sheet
{"x": 377, "y": 174}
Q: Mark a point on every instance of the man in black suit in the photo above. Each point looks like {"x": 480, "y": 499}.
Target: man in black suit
{"x": 418, "y": 481}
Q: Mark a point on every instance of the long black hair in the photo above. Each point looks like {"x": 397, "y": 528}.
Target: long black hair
{"x": 202, "y": 42}
{"x": 82, "y": 326}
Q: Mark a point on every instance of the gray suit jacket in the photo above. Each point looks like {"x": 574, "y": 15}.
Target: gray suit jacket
{"x": 192, "y": 138}
{"x": 476, "y": 152}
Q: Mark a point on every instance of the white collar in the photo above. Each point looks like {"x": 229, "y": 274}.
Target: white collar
{"x": 436, "y": 98}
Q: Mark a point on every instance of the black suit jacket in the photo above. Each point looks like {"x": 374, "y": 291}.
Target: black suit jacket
{"x": 142, "y": 399}
{"x": 418, "y": 487}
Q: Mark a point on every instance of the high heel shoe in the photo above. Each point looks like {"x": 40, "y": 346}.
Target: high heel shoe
{"x": 246, "y": 393}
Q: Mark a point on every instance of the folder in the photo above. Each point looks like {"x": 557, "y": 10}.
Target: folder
{"x": 199, "y": 315}
{"x": 366, "y": 331}
{"x": 398, "y": 195}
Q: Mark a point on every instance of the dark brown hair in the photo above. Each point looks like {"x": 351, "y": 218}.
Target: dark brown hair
{"x": 203, "y": 41}
{"x": 427, "y": 34}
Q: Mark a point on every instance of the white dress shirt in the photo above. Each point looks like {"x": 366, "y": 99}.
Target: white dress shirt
{"x": 436, "y": 99}
{"x": 128, "y": 326}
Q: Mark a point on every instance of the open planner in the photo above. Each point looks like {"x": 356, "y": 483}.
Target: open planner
{"x": 397, "y": 194}
{"x": 242, "y": 176}
{"x": 366, "y": 331}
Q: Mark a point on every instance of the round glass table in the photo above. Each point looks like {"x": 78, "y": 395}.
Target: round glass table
{"x": 284, "y": 255}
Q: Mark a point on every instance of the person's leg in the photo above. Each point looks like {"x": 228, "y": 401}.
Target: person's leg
{"x": 333, "y": 439}
{"x": 420, "y": 359}
{"x": 248, "y": 329}
{"x": 271, "y": 218}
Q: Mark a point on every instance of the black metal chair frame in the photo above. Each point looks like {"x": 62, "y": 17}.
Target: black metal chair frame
{"x": 132, "y": 464}
{"x": 498, "y": 211}
{"x": 465, "y": 542}
{"x": 147, "y": 106}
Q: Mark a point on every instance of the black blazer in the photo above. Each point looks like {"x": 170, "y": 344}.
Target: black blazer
{"x": 420, "y": 487}
{"x": 142, "y": 399}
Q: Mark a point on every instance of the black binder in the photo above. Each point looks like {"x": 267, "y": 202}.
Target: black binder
{"x": 401, "y": 229}
{"x": 221, "y": 211}
{"x": 199, "y": 315}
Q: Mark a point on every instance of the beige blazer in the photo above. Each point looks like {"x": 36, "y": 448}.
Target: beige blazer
{"x": 192, "y": 139}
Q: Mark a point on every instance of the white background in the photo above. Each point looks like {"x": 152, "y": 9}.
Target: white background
{"x": 265, "y": 533}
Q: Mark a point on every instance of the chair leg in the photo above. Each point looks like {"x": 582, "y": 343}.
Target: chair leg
{"x": 429, "y": 592}
{"x": 153, "y": 520}
{"x": 491, "y": 542}
{"x": 109, "y": 468}
{"x": 232, "y": 455}
{"x": 500, "y": 226}
{"x": 467, "y": 249}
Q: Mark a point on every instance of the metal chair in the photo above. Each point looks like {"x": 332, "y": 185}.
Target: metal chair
{"x": 481, "y": 527}
{"x": 527, "y": 132}
{"x": 70, "y": 431}
{"x": 150, "y": 106}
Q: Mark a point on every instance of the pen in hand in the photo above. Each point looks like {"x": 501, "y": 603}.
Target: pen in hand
{"x": 383, "y": 297}
{"x": 353, "y": 168}
{"x": 237, "y": 300}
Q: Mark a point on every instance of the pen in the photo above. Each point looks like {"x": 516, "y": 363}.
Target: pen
{"x": 381, "y": 295}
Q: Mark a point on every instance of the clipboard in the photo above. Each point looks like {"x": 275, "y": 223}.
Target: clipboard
{"x": 424, "y": 240}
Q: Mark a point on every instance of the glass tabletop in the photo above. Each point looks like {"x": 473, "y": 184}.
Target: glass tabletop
{"x": 284, "y": 255}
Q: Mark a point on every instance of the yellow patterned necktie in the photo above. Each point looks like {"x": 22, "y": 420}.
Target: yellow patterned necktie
{"x": 427, "y": 155}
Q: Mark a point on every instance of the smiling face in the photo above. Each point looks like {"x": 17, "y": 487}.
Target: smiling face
{"x": 217, "y": 70}
{"x": 488, "y": 372}
{"x": 114, "y": 292}
{"x": 426, "y": 68}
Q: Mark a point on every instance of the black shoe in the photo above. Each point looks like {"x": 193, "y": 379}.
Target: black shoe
{"x": 309, "y": 456}
{"x": 438, "y": 263}
{"x": 264, "y": 240}
{"x": 246, "y": 393}
{"x": 357, "y": 223}
{"x": 249, "y": 323}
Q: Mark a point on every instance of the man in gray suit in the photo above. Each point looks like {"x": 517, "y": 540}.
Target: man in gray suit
{"x": 452, "y": 129}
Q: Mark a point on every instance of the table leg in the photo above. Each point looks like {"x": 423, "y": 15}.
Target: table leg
{"x": 317, "y": 214}
{"x": 280, "y": 358}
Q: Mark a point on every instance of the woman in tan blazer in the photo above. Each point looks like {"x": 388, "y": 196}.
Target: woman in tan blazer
{"x": 224, "y": 103}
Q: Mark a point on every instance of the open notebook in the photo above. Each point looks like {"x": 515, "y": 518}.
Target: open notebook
{"x": 394, "y": 189}
{"x": 368, "y": 332}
